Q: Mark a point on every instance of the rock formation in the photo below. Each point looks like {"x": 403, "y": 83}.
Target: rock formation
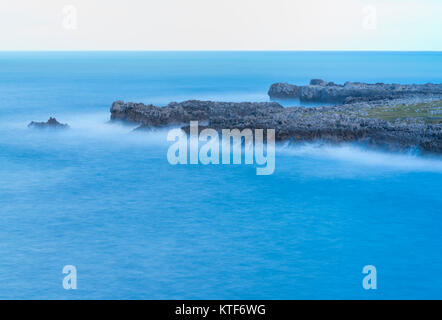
{"x": 321, "y": 91}
{"x": 357, "y": 122}
{"x": 51, "y": 123}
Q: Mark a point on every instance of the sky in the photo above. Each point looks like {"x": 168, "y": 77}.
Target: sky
{"x": 221, "y": 25}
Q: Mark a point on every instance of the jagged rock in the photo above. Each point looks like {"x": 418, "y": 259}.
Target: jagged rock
{"x": 51, "y": 123}
{"x": 179, "y": 113}
{"x": 320, "y": 91}
{"x": 342, "y": 123}
{"x": 318, "y": 82}
{"x": 283, "y": 90}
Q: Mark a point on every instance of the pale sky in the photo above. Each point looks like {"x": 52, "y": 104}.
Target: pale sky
{"x": 221, "y": 25}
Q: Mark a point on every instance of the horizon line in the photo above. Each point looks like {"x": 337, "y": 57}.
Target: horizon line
{"x": 220, "y": 50}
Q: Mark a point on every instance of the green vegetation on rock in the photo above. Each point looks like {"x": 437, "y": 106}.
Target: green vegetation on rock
{"x": 430, "y": 112}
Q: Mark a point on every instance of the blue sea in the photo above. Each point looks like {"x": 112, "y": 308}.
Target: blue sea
{"x": 105, "y": 199}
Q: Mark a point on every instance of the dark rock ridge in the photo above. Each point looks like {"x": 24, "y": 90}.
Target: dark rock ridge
{"x": 51, "y": 123}
{"x": 345, "y": 123}
{"x": 321, "y": 91}
{"x": 181, "y": 113}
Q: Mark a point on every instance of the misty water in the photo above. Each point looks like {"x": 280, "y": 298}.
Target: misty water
{"x": 105, "y": 199}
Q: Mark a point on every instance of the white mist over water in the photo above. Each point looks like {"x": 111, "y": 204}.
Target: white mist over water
{"x": 98, "y": 127}
{"x": 358, "y": 155}
{"x": 87, "y": 128}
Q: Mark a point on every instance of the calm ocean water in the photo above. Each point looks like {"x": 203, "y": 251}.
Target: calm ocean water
{"x": 106, "y": 200}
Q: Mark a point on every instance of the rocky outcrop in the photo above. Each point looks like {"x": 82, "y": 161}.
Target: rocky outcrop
{"x": 318, "y": 82}
{"x": 344, "y": 123}
{"x": 51, "y": 123}
{"x": 181, "y": 113}
{"x": 284, "y": 90}
{"x": 321, "y": 91}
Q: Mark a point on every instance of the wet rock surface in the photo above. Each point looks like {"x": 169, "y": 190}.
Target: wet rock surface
{"x": 322, "y": 91}
{"x": 51, "y": 123}
{"x": 352, "y": 122}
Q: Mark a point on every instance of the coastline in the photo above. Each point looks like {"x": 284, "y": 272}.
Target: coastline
{"x": 401, "y": 119}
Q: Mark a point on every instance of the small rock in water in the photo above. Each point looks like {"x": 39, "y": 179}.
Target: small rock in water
{"x": 51, "y": 123}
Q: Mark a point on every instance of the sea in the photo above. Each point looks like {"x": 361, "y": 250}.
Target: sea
{"x": 104, "y": 199}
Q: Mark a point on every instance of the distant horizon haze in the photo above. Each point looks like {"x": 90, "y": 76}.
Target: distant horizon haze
{"x": 214, "y": 25}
